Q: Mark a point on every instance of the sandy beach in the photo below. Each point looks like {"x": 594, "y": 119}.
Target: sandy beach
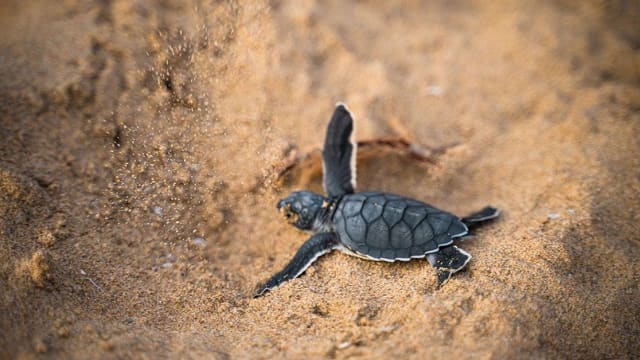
{"x": 144, "y": 145}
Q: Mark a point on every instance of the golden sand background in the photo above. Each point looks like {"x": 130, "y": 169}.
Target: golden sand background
{"x": 141, "y": 142}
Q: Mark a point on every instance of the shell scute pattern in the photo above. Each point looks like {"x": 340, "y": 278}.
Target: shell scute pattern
{"x": 393, "y": 212}
{"x": 439, "y": 222}
{"x": 422, "y": 233}
{"x": 389, "y": 254}
{"x": 356, "y": 228}
{"x": 457, "y": 228}
{"x": 378, "y": 235}
{"x": 414, "y": 215}
{"x": 401, "y": 237}
{"x": 390, "y": 227}
{"x": 402, "y": 253}
{"x": 373, "y": 208}
{"x": 352, "y": 208}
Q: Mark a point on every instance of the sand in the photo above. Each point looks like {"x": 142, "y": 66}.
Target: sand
{"x": 143, "y": 142}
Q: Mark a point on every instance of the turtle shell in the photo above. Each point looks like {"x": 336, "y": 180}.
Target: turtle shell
{"x": 382, "y": 226}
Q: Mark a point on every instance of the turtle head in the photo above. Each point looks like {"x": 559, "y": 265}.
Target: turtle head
{"x": 301, "y": 208}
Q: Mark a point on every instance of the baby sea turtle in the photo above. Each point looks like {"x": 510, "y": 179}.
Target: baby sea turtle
{"x": 372, "y": 225}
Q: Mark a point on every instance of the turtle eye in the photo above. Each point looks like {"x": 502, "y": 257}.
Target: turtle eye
{"x": 304, "y": 212}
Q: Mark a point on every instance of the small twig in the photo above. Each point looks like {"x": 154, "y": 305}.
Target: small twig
{"x": 91, "y": 280}
{"x": 94, "y": 284}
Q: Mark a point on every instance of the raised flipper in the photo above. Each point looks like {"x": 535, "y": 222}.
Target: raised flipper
{"x": 339, "y": 154}
{"x": 312, "y": 249}
{"x": 480, "y": 217}
{"x": 448, "y": 261}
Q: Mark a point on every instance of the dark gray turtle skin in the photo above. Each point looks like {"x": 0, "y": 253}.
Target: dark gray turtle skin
{"x": 388, "y": 227}
{"x": 372, "y": 225}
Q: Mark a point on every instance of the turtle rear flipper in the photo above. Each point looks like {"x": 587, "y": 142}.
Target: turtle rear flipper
{"x": 312, "y": 249}
{"x": 448, "y": 261}
{"x": 339, "y": 154}
{"x": 478, "y": 218}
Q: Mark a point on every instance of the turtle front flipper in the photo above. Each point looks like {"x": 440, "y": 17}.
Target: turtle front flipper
{"x": 312, "y": 249}
{"x": 339, "y": 154}
{"x": 448, "y": 261}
